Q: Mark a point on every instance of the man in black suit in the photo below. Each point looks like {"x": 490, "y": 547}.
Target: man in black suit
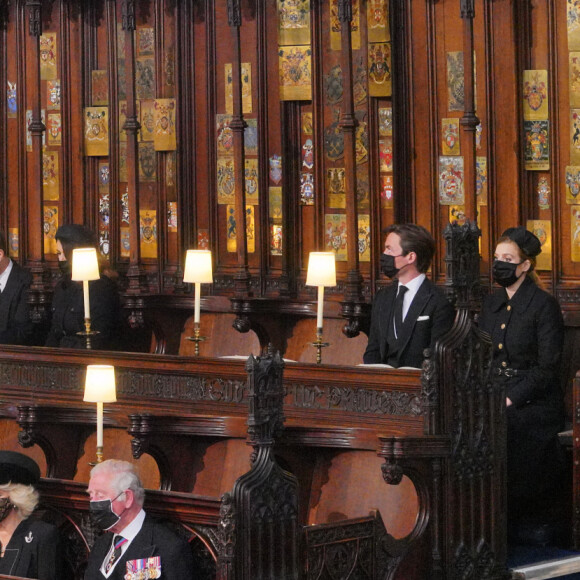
{"x": 133, "y": 541}
{"x": 411, "y": 314}
{"x": 15, "y": 323}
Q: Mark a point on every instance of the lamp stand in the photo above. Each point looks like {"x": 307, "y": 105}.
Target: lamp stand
{"x": 196, "y": 337}
{"x": 87, "y": 333}
{"x": 319, "y": 345}
{"x": 99, "y": 457}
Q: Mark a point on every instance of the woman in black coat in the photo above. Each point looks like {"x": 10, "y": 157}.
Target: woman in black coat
{"x": 29, "y": 548}
{"x": 527, "y": 331}
{"x": 68, "y": 315}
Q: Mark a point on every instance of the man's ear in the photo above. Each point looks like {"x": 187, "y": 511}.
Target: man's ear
{"x": 129, "y": 498}
{"x": 2, "y": 254}
{"x": 412, "y": 257}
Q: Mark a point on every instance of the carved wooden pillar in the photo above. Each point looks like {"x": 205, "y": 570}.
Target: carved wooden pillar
{"x": 469, "y": 121}
{"x": 185, "y": 176}
{"x": 352, "y": 305}
{"x": 132, "y": 127}
{"x": 3, "y": 127}
{"x": 259, "y": 527}
{"x": 348, "y": 123}
{"x": 33, "y": 193}
{"x": 242, "y": 275}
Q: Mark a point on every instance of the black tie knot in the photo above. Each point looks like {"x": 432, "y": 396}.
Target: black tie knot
{"x": 399, "y": 309}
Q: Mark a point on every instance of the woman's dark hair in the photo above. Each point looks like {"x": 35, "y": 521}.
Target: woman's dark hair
{"x": 73, "y": 236}
{"x": 416, "y": 239}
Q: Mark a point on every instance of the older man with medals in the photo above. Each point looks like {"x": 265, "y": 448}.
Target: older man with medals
{"x": 135, "y": 546}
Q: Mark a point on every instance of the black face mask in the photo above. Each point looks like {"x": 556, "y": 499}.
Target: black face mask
{"x": 65, "y": 267}
{"x": 388, "y": 267}
{"x": 5, "y": 508}
{"x": 102, "y": 513}
{"x": 504, "y": 273}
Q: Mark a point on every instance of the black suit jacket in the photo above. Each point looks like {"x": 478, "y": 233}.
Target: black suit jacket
{"x": 15, "y": 323}
{"x": 33, "y": 552}
{"x": 154, "y": 539}
{"x": 430, "y": 315}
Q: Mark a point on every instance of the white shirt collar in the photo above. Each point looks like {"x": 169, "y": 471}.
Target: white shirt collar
{"x": 412, "y": 289}
{"x": 132, "y": 529}
{"x": 414, "y": 284}
{"x": 5, "y": 275}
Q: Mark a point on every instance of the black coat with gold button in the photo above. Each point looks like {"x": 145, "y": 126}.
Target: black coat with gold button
{"x": 527, "y": 332}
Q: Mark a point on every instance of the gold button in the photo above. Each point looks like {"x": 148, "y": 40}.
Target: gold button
{"x": 509, "y": 308}
{"x": 504, "y": 364}
{"x": 500, "y": 346}
{"x": 502, "y": 326}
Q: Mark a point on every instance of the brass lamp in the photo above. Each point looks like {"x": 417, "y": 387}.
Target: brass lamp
{"x": 321, "y": 273}
{"x": 198, "y": 270}
{"x": 85, "y": 267}
{"x": 100, "y": 388}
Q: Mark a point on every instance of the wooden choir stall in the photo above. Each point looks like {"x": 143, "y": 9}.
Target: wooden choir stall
{"x": 355, "y": 471}
{"x": 261, "y": 132}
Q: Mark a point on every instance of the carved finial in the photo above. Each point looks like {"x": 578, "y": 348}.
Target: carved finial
{"x": 34, "y": 17}
{"x": 467, "y": 9}
{"x": 128, "y": 14}
{"x": 265, "y": 399}
{"x": 234, "y": 13}
{"x": 345, "y": 11}
{"x": 4, "y": 14}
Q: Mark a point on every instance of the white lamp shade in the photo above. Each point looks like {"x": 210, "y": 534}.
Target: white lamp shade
{"x": 198, "y": 267}
{"x": 100, "y": 384}
{"x": 321, "y": 269}
{"x": 85, "y": 265}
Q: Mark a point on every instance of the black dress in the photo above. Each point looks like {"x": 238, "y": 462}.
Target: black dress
{"x": 68, "y": 314}
{"x": 33, "y": 552}
{"x": 527, "y": 333}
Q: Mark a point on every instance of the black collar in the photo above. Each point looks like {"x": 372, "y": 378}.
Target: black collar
{"x": 520, "y": 301}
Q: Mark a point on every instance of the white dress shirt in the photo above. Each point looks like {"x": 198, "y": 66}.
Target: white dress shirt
{"x": 412, "y": 289}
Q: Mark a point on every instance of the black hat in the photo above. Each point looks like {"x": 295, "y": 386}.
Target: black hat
{"x": 18, "y": 468}
{"x": 528, "y": 243}
{"x": 76, "y": 236}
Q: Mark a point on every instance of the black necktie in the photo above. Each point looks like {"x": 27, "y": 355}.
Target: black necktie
{"x": 399, "y": 310}
{"x": 118, "y": 542}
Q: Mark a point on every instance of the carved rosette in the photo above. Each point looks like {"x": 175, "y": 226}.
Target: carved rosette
{"x": 26, "y": 420}
{"x": 392, "y": 472}
{"x": 140, "y": 429}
